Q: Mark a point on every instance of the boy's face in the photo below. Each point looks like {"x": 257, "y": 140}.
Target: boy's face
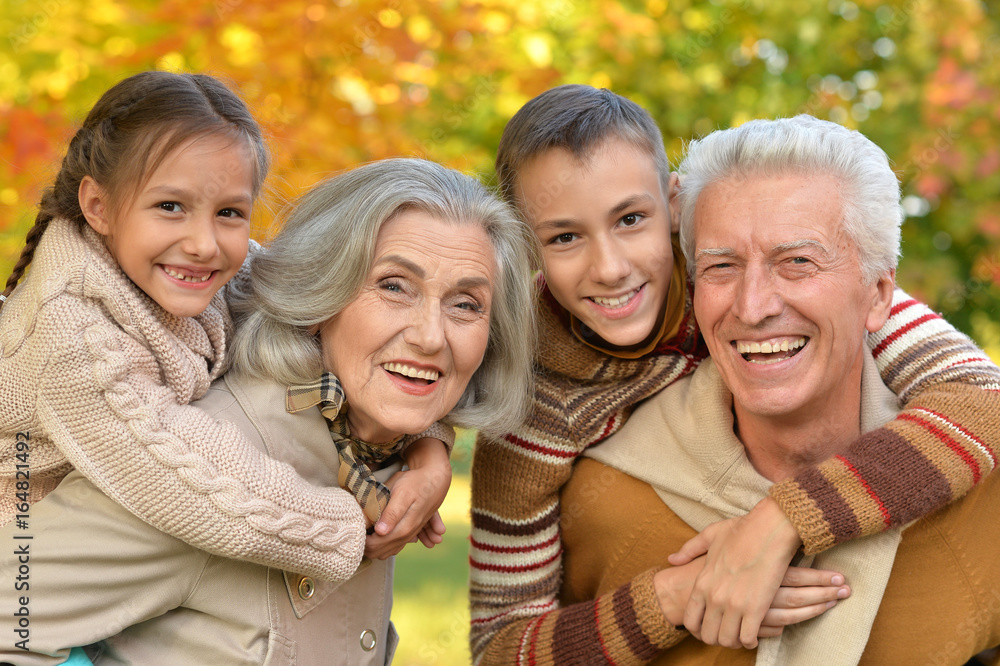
{"x": 604, "y": 229}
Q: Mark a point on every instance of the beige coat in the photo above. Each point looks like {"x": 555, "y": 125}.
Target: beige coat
{"x": 98, "y": 571}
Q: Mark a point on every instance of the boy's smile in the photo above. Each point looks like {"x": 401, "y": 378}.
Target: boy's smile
{"x": 604, "y": 229}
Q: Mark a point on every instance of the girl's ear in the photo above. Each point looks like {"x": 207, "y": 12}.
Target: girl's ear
{"x": 94, "y": 204}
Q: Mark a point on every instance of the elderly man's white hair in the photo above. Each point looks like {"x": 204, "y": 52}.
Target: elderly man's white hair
{"x": 869, "y": 189}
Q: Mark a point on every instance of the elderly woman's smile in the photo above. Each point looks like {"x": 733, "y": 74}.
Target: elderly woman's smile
{"x": 406, "y": 347}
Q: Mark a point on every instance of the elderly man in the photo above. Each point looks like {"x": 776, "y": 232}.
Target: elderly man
{"x": 791, "y": 232}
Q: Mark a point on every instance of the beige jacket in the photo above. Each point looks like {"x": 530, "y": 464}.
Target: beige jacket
{"x": 98, "y": 571}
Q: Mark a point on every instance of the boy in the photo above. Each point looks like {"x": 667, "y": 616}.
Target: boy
{"x": 588, "y": 171}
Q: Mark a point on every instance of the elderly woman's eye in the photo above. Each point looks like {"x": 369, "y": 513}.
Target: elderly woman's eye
{"x": 391, "y": 285}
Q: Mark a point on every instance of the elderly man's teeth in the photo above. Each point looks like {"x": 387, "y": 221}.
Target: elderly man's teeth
{"x": 768, "y": 347}
{"x": 614, "y": 302}
{"x": 414, "y": 373}
{"x": 186, "y": 278}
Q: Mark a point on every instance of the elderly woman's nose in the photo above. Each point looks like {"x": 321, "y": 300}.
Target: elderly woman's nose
{"x": 425, "y": 328}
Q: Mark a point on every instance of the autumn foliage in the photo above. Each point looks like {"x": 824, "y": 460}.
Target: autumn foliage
{"x": 338, "y": 83}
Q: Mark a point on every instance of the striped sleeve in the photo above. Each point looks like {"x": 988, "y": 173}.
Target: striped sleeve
{"x": 941, "y": 445}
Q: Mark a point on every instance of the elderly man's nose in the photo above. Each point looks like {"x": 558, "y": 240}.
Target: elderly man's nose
{"x": 757, "y": 297}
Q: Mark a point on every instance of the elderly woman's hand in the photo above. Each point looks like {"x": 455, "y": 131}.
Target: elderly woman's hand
{"x": 416, "y": 495}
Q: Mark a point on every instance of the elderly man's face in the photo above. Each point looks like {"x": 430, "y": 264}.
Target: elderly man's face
{"x": 779, "y": 295}
{"x": 407, "y": 346}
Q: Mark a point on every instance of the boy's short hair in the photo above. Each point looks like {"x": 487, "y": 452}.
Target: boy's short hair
{"x": 580, "y": 119}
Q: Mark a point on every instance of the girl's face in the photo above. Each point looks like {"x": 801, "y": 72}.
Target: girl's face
{"x": 186, "y": 232}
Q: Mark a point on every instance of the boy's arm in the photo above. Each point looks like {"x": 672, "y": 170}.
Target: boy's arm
{"x": 183, "y": 472}
{"x": 516, "y": 572}
{"x": 941, "y": 445}
{"x": 624, "y": 627}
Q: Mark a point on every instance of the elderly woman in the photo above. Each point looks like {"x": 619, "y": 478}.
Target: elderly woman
{"x": 396, "y": 295}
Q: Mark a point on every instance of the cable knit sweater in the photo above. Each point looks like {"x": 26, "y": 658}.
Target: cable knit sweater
{"x": 95, "y": 375}
{"x": 933, "y": 453}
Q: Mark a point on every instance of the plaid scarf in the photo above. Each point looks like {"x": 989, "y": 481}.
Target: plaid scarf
{"x": 356, "y": 457}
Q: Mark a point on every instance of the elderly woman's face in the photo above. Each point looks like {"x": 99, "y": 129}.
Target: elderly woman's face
{"x": 406, "y": 347}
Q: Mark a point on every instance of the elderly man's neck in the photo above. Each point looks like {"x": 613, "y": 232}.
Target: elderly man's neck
{"x": 780, "y": 446}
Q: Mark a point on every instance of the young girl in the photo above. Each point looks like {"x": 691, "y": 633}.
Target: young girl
{"x": 120, "y": 324}
{"x": 588, "y": 171}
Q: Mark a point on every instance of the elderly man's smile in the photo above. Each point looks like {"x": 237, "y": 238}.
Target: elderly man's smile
{"x": 769, "y": 351}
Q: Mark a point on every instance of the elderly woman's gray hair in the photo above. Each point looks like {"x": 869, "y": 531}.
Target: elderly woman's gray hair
{"x": 869, "y": 188}
{"x": 318, "y": 262}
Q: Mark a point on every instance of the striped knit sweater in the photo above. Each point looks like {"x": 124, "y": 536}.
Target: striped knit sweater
{"x": 941, "y": 445}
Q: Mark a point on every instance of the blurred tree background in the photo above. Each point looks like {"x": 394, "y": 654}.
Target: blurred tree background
{"x": 345, "y": 81}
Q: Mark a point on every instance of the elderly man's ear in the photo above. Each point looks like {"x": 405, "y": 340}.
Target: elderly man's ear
{"x": 881, "y": 291}
{"x": 673, "y": 189}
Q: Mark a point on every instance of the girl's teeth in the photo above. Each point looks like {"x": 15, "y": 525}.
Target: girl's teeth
{"x": 186, "y": 278}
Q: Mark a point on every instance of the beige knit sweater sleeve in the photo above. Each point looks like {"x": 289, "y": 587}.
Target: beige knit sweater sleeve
{"x": 104, "y": 405}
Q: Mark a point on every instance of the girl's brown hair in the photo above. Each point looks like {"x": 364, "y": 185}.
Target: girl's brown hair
{"x": 131, "y": 129}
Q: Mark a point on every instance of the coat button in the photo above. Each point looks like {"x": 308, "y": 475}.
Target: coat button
{"x": 368, "y": 640}
{"x": 306, "y": 587}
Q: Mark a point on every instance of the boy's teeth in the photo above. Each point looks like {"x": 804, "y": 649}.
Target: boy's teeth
{"x": 768, "y": 348}
{"x": 408, "y": 371}
{"x": 187, "y": 278}
{"x": 614, "y": 302}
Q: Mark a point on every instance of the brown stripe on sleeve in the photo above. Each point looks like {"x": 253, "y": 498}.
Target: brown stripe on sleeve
{"x": 487, "y": 522}
{"x": 628, "y": 624}
{"x": 904, "y": 480}
{"x": 842, "y": 522}
{"x": 575, "y": 640}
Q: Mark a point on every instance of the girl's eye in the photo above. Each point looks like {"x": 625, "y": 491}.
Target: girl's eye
{"x": 169, "y": 206}
{"x": 230, "y": 212}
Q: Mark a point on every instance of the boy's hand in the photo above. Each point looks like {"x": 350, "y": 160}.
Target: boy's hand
{"x": 416, "y": 495}
{"x": 803, "y": 594}
{"x": 745, "y": 561}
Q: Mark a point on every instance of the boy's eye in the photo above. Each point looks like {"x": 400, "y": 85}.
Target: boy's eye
{"x": 169, "y": 206}
{"x": 562, "y": 239}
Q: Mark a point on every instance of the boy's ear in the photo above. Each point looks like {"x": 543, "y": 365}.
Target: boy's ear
{"x": 673, "y": 189}
{"x": 94, "y": 204}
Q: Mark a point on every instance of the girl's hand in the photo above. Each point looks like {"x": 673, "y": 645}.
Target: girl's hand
{"x": 416, "y": 495}
{"x": 433, "y": 532}
{"x": 745, "y": 561}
